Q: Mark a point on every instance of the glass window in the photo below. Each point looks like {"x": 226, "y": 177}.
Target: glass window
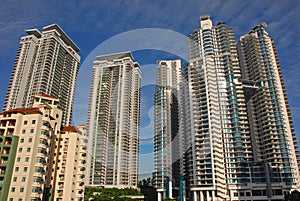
{"x": 21, "y": 190}
{"x": 30, "y": 140}
{"x": 31, "y": 130}
{"x": 28, "y": 149}
{"x": 25, "y": 169}
{"x": 15, "y": 179}
{"x": 25, "y": 122}
{"x": 33, "y": 122}
{"x": 26, "y": 159}
{"x": 13, "y": 189}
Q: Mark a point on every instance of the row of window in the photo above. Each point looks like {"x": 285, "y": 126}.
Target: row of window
{"x": 26, "y": 122}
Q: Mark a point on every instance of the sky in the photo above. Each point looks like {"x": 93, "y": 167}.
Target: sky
{"x": 152, "y": 30}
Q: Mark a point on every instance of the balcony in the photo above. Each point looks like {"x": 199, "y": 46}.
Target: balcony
{"x": 6, "y": 150}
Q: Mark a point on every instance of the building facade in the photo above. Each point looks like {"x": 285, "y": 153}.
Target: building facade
{"x": 274, "y": 140}
{"x": 167, "y": 101}
{"x": 232, "y": 138}
{"x": 70, "y": 164}
{"x": 27, "y": 143}
{"x": 46, "y": 63}
{"x": 113, "y": 121}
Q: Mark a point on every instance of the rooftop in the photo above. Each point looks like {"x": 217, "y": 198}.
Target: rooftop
{"x": 112, "y": 57}
{"x": 23, "y": 111}
{"x": 63, "y": 35}
{"x": 71, "y": 129}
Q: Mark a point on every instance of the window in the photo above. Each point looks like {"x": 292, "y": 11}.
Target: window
{"x": 18, "y": 159}
{"x": 38, "y": 170}
{"x": 15, "y": 179}
{"x": 25, "y": 169}
{"x": 17, "y": 169}
{"x": 30, "y": 140}
{"x": 21, "y": 190}
{"x": 26, "y": 159}
{"x": 21, "y": 140}
{"x": 28, "y": 149}
{"x": 13, "y": 189}
{"x": 23, "y": 131}
{"x": 31, "y": 130}
{"x": 23, "y": 179}
{"x": 25, "y": 122}
{"x": 20, "y": 149}
{"x": 36, "y": 179}
{"x": 33, "y": 122}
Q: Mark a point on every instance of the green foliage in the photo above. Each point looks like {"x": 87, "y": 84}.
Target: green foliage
{"x": 106, "y": 194}
{"x": 294, "y": 196}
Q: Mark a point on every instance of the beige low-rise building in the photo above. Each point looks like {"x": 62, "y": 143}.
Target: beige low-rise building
{"x": 70, "y": 165}
{"x": 33, "y": 130}
{"x": 38, "y": 160}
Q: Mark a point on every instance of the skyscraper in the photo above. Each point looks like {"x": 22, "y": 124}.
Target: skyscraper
{"x": 113, "y": 121}
{"x": 166, "y": 127}
{"x": 274, "y": 140}
{"x": 46, "y": 63}
{"x": 232, "y": 138}
{"x": 217, "y": 127}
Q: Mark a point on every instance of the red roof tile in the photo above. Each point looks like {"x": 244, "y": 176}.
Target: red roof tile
{"x": 71, "y": 129}
{"x": 34, "y": 110}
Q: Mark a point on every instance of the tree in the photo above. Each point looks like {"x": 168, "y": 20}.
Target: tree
{"x": 294, "y": 196}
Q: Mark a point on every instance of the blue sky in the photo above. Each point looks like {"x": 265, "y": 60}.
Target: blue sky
{"x": 124, "y": 25}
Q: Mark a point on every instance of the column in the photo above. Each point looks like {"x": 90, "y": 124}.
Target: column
{"x": 159, "y": 198}
{"x": 201, "y": 196}
{"x": 207, "y": 195}
{"x": 195, "y": 196}
{"x": 213, "y": 195}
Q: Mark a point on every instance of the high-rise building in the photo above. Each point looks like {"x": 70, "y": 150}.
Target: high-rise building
{"x": 70, "y": 164}
{"x": 273, "y": 136}
{"x": 46, "y": 63}
{"x": 239, "y": 139}
{"x": 113, "y": 121}
{"x": 216, "y": 118}
{"x": 26, "y": 140}
{"x": 166, "y": 128}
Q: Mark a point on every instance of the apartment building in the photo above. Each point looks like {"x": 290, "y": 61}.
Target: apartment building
{"x": 113, "y": 121}
{"x": 239, "y": 137}
{"x": 70, "y": 164}
{"x": 26, "y": 143}
{"x": 47, "y": 62}
{"x": 167, "y": 139}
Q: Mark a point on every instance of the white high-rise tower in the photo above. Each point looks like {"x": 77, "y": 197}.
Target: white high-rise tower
{"x": 46, "y": 63}
{"x": 113, "y": 121}
{"x": 239, "y": 138}
{"x": 167, "y": 102}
